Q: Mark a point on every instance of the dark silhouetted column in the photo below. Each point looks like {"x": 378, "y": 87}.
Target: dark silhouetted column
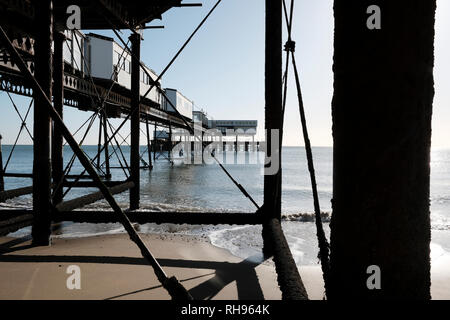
{"x": 42, "y": 124}
{"x": 382, "y": 106}
{"x": 58, "y": 101}
{"x": 135, "y": 120}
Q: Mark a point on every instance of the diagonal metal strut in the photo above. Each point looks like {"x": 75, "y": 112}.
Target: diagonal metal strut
{"x": 175, "y": 289}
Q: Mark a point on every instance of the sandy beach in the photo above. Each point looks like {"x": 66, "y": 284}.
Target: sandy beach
{"x": 112, "y": 268}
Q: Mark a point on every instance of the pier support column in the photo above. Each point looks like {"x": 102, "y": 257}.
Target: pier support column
{"x": 382, "y": 106}
{"x": 154, "y": 144}
{"x": 149, "y": 146}
{"x": 42, "y": 124}
{"x": 273, "y": 107}
{"x": 202, "y": 145}
{"x": 2, "y": 181}
{"x": 99, "y": 141}
{"x": 170, "y": 141}
{"x": 58, "y": 101}
{"x": 135, "y": 40}
{"x": 105, "y": 141}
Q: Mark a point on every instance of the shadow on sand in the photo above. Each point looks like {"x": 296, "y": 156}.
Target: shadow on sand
{"x": 244, "y": 273}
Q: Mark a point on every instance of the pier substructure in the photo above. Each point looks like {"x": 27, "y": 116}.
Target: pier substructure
{"x": 154, "y": 144}
{"x": 135, "y": 40}
{"x": 58, "y": 102}
{"x": 104, "y": 119}
{"x": 99, "y": 142}
{"x": 170, "y": 142}
{"x": 382, "y": 106}
{"x": 2, "y": 180}
{"x": 149, "y": 146}
{"x": 273, "y": 111}
{"x": 42, "y": 124}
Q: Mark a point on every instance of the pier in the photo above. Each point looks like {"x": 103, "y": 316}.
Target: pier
{"x": 380, "y": 198}
{"x": 24, "y": 70}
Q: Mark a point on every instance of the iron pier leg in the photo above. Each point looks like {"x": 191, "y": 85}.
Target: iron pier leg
{"x": 170, "y": 142}
{"x": 273, "y": 96}
{"x": 105, "y": 139}
{"x": 2, "y": 181}
{"x": 99, "y": 143}
{"x": 42, "y": 125}
{"x": 135, "y": 120}
{"x": 202, "y": 146}
{"x": 58, "y": 94}
{"x": 149, "y": 146}
{"x": 154, "y": 144}
{"x": 381, "y": 152}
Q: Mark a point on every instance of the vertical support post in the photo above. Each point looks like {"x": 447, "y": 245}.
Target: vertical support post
{"x": 273, "y": 107}
{"x": 202, "y": 145}
{"x": 105, "y": 139}
{"x": 380, "y": 226}
{"x": 42, "y": 124}
{"x": 170, "y": 141}
{"x": 58, "y": 98}
{"x": 154, "y": 144}
{"x": 99, "y": 143}
{"x": 135, "y": 40}
{"x": 2, "y": 181}
{"x": 149, "y": 146}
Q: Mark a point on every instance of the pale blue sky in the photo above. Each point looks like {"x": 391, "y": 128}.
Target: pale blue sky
{"x": 222, "y": 69}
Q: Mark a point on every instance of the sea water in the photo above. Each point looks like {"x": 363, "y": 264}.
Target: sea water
{"x": 205, "y": 187}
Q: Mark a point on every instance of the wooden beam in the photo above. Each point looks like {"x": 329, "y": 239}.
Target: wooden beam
{"x": 18, "y": 175}
{"x": 90, "y": 184}
{"x": 91, "y": 198}
{"x": 13, "y": 227}
{"x": 13, "y": 193}
{"x": 142, "y": 217}
{"x": 192, "y": 218}
{"x": 15, "y": 219}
